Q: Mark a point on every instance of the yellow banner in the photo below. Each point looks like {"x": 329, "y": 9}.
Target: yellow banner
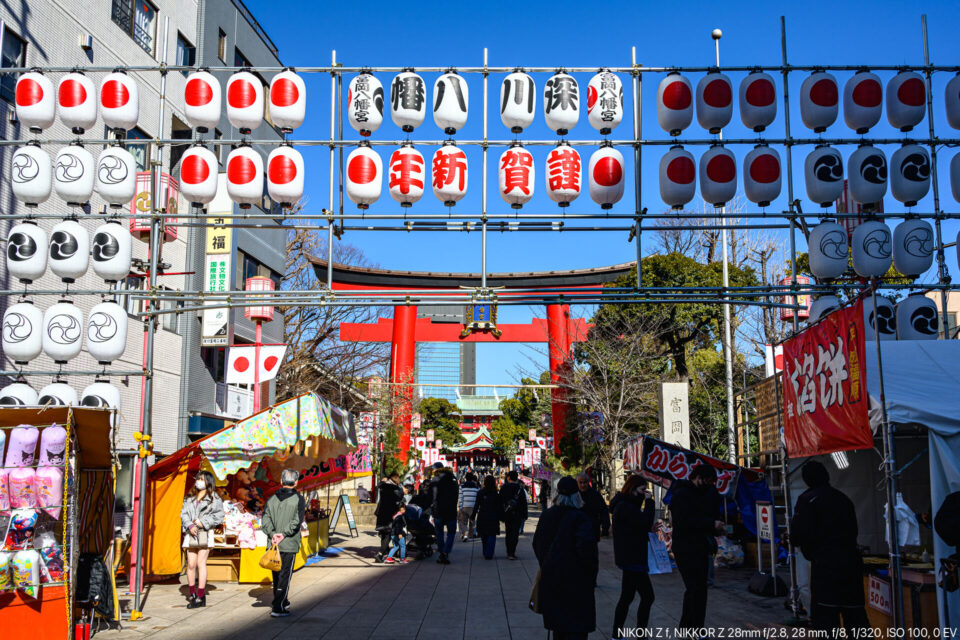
{"x": 219, "y": 238}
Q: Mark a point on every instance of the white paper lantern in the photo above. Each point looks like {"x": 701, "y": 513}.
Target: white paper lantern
{"x": 288, "y": 100}
{"x": 884, "y": 321}
{"x": 913, "y": 243}
{"x": 285, "y": 176}
{"x": 823, "y": 174}
{"x": 100, "y": 395}
{"x": 955, "y": 177}
{"x": 22, "y": 332}
{"x": 62, "y": 331}
{"x": 74, "y": 174}
{"x": 561, "y": 102}
{"x": 32, "y": 175}
{"x": 245, "y": 177}
{"x": 450, "y": 101}
{"x": 714, "y": 101}
{"x": 449, "y": 169}
{"x": 828, "y": 250}
{"x": 761, "y": 175}
{"x": 607, "y": 176}
{"x": 69, "y": 253}
{"x": 823, "y": 306}
{"x": 819, "y": 101}
{"x": 917, "y": 318}
{"x": 77, "y": 102}
{"x": 364, "y": 176}
{"x": 910, "y": 174}
{"x": 758, "y": 101}
{"x": 408, "y": 101}
{"x": 872, "y": 249}
{"x": 867, "y": 175}
{"x": 116, "y": 177}
{"x": 718, "y": 176}
{"x": 407, "y": 175}
{"x": 36, "y": 101}
{"x": 119, "y": 101}
{"x": 26, "y": 252}
{"x": 678, "y": 177}
{"x": 107, "y": 332}
{"x": 564, "y": 174}
{"x": 906, "y": 100}
{"x": 518, "y": 101}
{"x": 951, "y": 101}
{"x": 244, "y": 101}
{"x": 862, "y": 101}
{"x": 517, "y": 176}
{"x": 111, "y": 252}
{"x": 58, "y": 394}
{"x": 18, "y": 394}
{"x": 605, "y": 101}
{"x": 365, "y": 103}
{"x": 201, "y": 99}
{"x": 198, "y": 175}
{"x": 674, "y": 103}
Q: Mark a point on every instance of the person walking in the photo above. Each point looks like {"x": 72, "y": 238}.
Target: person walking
{"x": 566, "y": 549}
{"x": 202, "y": 511}
{"x": 389, "y": 499}
{"x": 445, "y": 494}
{"x": 544, "y": 494}
{"x": 695, "y": 509}
{"x": 594, "y": 505}
{"x": 399, "y": 539}
{"x": 489, "y": 513}
{"x": 824, "y": 526}
{"x": 467, "y": 505}
{"x": 632, "y": 521}
{"x": 282, "y": 516}
{"x": 514, "y": 501}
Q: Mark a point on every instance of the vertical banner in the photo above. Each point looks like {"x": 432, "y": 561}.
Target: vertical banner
{"x": 825, "y": 388}
{"x": 216, "y": 278}
{"x": 675, "y": 413}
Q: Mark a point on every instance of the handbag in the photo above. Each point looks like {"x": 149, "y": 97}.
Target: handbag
{"x": 948, "y": 577}
{"x": 535, "y": 595}
{"x": 271, "y": 559}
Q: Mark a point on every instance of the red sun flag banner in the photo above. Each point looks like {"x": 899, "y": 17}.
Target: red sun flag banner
{"x": 240, "y": 359}
{"x": 825, "y": 388}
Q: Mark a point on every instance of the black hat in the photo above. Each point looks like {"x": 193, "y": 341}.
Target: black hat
{"x": 567, "y": 486}
{"x": 438, "y": 465}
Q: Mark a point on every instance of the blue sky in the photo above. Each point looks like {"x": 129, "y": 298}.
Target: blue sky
{"x": 586, "y": 34}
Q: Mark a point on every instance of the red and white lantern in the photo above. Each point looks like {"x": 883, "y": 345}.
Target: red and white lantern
{"x": 32, "y": 175}
{"x": 951, "y": 99}
{"x": 77, "y": 102}
{"x": 714, "y": 101}
{"x": 678, "y": 177}
{"x": 819, "y": 101}
{"x": 285, "y": 176}
{"x": 605, "y": 101}
{"x": 449, "y": 168}
{"x": 36, "y": 101}
{"x": 564, "y": 174}
{"x": 119, "y": 101}
{"x": 561, "y": 102}
{"x": 762, "y": 175}
{"x": 245, "y": 177}
{"x": 674, "y": 104}
{"x": 365, "y": 103}
{"x": 73, "y": 175}
{"x": 758, "y": 101}
{"x": 408, "y": 175}
{"x": 906, "y": 100}
{"x": 823, "y": 174}
{"x": 198, "y": 175}
{"x": 364, "y": 176}
{"x": 518, "y": 101}
{"x": 201, "y": 99}
{"x": 244, "y": 101}
{"x": 408, "y": 101}
{"x": 862, "y": 101}
{"x": 517, "y": 176}
{"x": 259, "y": 313}
{"x": 828, "y": 250}
{"x": 802, "y": 313}
{"x": 116, "y": 179}
{"x": 955, "y": 177}
{"x": 718, "y": 175}
{"x": 607, "y": 176}
{"x": 451, "y": 97}
{"x": 867, "y": 175}
{"x": 910, "y": 174}
{"x": 288, "y": 100}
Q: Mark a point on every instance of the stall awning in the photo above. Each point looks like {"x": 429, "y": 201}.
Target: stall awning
{"x": 93, "y": 437}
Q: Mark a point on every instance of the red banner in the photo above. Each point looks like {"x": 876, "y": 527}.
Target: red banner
{"x": 825, "y": 388}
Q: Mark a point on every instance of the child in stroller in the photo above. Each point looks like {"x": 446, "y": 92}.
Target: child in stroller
{"x": 423, "y": 535}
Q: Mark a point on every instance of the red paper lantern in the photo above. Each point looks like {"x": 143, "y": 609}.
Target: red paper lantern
{"x": 407, "y": 176}
{"x": 906, "y": 100}
{"x": 819, "y": 101}
{"x": 674, "y": 104}
{"x": 259, "y": 313}
{"x": 758, "y": 101}
{"x": 714, "y": 101}
{"x": 245, "y": 177}
{"x": 678, "y": 177}
{"x": 36, "y": 101}
{"x": 762, "y": 175}
{"x": 564, "y": 174}
{"x": 862, "y": 101}
{"x": 718, "y": 176}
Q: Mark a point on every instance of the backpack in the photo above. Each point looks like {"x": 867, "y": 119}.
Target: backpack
{"x": 512, "y": 505}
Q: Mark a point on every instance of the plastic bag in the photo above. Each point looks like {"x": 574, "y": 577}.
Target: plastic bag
{"x": 26, "y": 571}
{"x": 729, "y": 553}
{"x": 5, "y": 558}
{"x": 51, "y": 556}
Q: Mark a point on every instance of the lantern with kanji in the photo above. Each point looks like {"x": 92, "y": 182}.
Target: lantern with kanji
{"x": 18, "y": 394}
{"x": 288, "y": 100}
{"x": 823, "y": 306}
{"x": 449, "y": 168}
{"x": 906, "y": 100}
{"x": 285, "y": 175}
{"x": 605, "y": 101}
{"x": 77, "y": 102}
{"x": 867, "y": 175}
{"x": 112, "y": 251}
{"x": 714, "y": 101}
{"x": 819, "y": 101}
{"x": 116, "y": 178}
{"x": 107, "y": 332}
{"x": 450, "y": 100}
{"x": 198, "y": 175}
{"x": 823, "y": 175}
{"x": 73, "y": 175}
{"x": 872, "y": 249}
{"x": 26, "y": 252}
{"x": 561, "y": 102}
{"x": 913, "y": 242}
{"x": 678, "y": 177}
{"x": 718, "y": 175}
{"x": 917, "y": 318}
{"x": 952, "y": 101}
{"x": 828, "y": 252}
{"x": 516, "y": 176}
{"x": 62, "y": 331}
{"x": 518, "y": 101}
{"x": 674, "y": 104}
{"x": 407, "y": 175}
{"x": 36, "y": 101}
{"x": 607, "y": 176}
{"x": 58, "y": 394}
{"x": 955, "y": 177}
{"x": 201, "y": 100}
{"x": 365, "y": 103}
{"x": 245, "y": 177}
{"x": 32, "y": 175}
{"x": 364, "y": 176}
{"x": 564, "y": 174}
{"x": 68, "y": 250}
{"x": 761, "y": 175}
{"x": 259, "y": 313}
{"x": 408, "y": 101}
{"x": 862, "y": 101}
{"x": 883, "y": 321}
{"x": 22, "y": 332}
{"x": 758, "y": 101}
{"x": 803, "y": 300}
{"x": 119, "y": 101}
{"x": 910, "y": 174}
{"x": 244, "y": 101}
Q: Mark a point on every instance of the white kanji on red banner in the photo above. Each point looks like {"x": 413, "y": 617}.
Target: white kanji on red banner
{"x": 240, "y": 360}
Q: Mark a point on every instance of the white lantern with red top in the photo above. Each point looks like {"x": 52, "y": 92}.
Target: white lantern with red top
{"x": 285, "y": 175}
{"x": 258, "y": 313}
{"x": 605, "y": 101}
{"x": 107, "y": 325}
{"x": 906, "y": 100}
{"x": 36, "y": 101}
{"x": 762, "y": 175}
{"x": 26, "y": 252}
{"x": 678, "y": 177}
{"x": 884, "y": 321}
{"x": 913, "y": 243}
{"x": 77, "y": 102}
{"x": 951, "y": 100}
{"x": 862, "y": 101}
{"x": 828, "y": 250}
{"x": 116, "y": 179}
{"x": 823, "y": 174}
{"x": 758, "y": 101}
{"x": 823, "y": 306}
{"x": 32, "y": 175}
{"x": 819, "y": 101}
{"x": 365, "y": 103}
{"x": 449, "y": 169}
{"x": 119, "y": 101}
{"x": 674, "y": 103}
{"x": 22, "y": 332}
{"x": 288, "y": 100}
{"x": 68, "y": 250}
{"x": 867, "y": 175}
{"x": 910, "y": 174}
{"x": 408, "y": 101}
{"x": 561, "y": 102}
{"x": 718, "y": 175}
{"x": 407, "y": 175}
{"x": 62, "y": 331}
{"x": 451, "y": 97}
{"x": 518, "y": 101}
{"x": 917, "y": 318}
{"x": 201, "y": 99}
{"x": 111, "y": 251}
{"x": 607, "y": 176}
{"x": 364, "y": 176}
{"x": 245, "y": 177}
{"x": 871, "y": 245}
{"x": 244, "y": 101}
{"x": 714, "y": 101}
{"x": 564, "y": 174}
{"x": 955, "y": 177}
{"x": 517, "y": 176}
{"x": 73, "y": 175}
{"x": 198, "y": 175}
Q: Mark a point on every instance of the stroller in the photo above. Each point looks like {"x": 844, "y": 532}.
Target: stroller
{"x": 422, "y": 534}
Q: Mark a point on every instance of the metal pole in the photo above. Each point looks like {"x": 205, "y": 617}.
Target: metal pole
{"x": 637, "y": 160}
{"x": 333, "y": 134}
{"x": 789, "y": 147}
{"x": 256, "y": 369}
{"x": 483, "y": 191}
{"x": 794, "y": 595}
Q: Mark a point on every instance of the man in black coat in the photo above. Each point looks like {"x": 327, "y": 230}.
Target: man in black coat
{"x": 595, "y": 506}
{"x": 695, "y": 511}
{"x": 824, "y": 526}
{"x": 389, "y": 499}
{"x": 514, "y": 501}
{"x": 445, "y": 493}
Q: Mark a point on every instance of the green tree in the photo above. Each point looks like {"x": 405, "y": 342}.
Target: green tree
{"x": 444, "y": 418}
{"x": 522, "y": 412}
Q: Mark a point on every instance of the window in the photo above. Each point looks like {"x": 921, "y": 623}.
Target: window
{"x": 123, "y": 498}
{"x": 240, "y": 60}
{"x": 214, "y": 358}
{"x": 14, "y": 54}
{"x": 222, "y": 47}
{"x": 170, "y": 321}
{"x": 139, "y": 151}
{"x": 179, "y": 131}
{"x": 139, "y": 19}
{"x": 186, "y": 53}
{"x": 131, "y": 284}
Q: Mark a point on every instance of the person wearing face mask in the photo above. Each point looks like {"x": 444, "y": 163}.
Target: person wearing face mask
{"x": 632, "y": 521}
{"x": 202, "y": 512}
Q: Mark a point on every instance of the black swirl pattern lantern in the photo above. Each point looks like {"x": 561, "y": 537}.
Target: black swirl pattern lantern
{"x": 101, "y": 395}
{"x": 26, "y": 252}
{"x": 31, "y": 175}
{"x": 819, "y": 101}
{"x": 823, "y": 175}
{"x": 823, "y": 306}
{"x": 62, "y": 331}
{"x": 116, "y": 177}
{"x": 913, "y": 242}
{"x": 884, "y": 321}
{"x": 107, "y": 332}
{"x": 68, "y": 251}
{"x": 22, "y": 332}
{"x": 828, "y": 253}
{"x": 872, "y": 247}
{"x": 917, "y": 318}
{"x": 58, "y": 394}
{"x": 18, "y": 394}
{"x": 906, "y": 100}
{"x": 73, "y": 176}
{"x": 111, "y": 251}
{"x": 910, "y": 174}
{"x": 867, "y": 175}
